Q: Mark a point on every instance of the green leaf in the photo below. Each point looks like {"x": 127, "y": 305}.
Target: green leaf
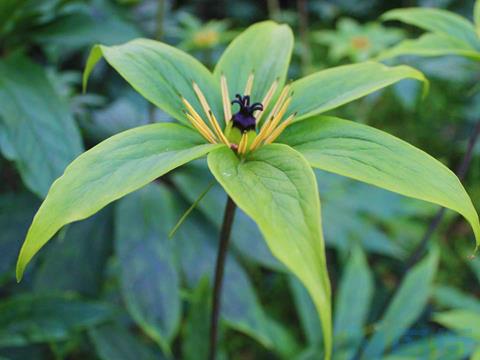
{"x": 372, "y": 156}
{"x": 112, "y": 169}
{"x": 405, "y": 307}
{"x": 64, "y": 259}
{"x": 464, "y": 322}
{"x": 431, "y": 45}
{"x": 356, "y": 283}
{"x": 197, "y": 326}
{"x": 453, "y": 298}
{"x": 114, "y": 341}
{"x": 31, "y": 319}
{"x": 438, "y": 347}
{"x": 276, "y": 187}
{"x": 438, "y": 21}
{"x": 264, "y": 48}
{"x": 161, "y": 73}
{"x": 148, "y": 275}
{"x": 476, "y": 16}
{"x": 40, "y": 135}
{"x": 331, "y": 88}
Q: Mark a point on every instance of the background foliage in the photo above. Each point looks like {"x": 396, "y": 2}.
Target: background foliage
{"x": 116, "y": 286}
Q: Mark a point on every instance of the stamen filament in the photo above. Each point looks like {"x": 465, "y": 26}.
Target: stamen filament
{"x": 216, "y": 127}
{"x": 249, "y": 85}
{"x": 201, "y": 98}
{"x": 276, "y": 133}
{"x": 278, "y": 116}
{"x": 202, "y": 129}
{"x": 261, "y": 135}
{"x": 242, "y": 146}
{"x": 225, "y": 99}
{"x": 266, "y": 100}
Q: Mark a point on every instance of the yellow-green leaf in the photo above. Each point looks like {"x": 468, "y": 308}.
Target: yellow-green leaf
{"x": 110, "y": 170}
{"x": 276, "y": 187}
{"x": 375, "y": 157}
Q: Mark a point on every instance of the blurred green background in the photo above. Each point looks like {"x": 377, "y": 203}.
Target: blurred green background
{"x": 116, "y": 287}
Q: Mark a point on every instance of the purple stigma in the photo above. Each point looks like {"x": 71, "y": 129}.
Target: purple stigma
{"x": 244, "y": 119}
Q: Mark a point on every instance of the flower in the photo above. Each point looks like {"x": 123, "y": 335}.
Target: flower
{"x": 240, "y": 132}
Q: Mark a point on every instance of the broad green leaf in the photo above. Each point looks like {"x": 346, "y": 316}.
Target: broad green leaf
{"x": 431, "y": 45}
{"x": 114, "y": 341}
{"x": 350, "y": 321}
{"x": 191, "y": 180}
{"x": 110, "y": 170}
{"x": 31, "y": 319}
{"x": 265, "y": 49}
{"x": 197, "y": 326}
{"x": 438, "y": 21}
{"x": 148, "y": 275}
{"x": 64, "y": 259}
{"x": 331, "y": 88}
{"x": 438, "y": 347}
{"x": 40, "y": 135}
{"x": 464, "y": 322}
{"x": 372, "y": 156}
{"x": 161, "y": 73}
{"x": 197, "y": 251}
{"x": 276, "y": 187}
{"x": 404, "y": 309}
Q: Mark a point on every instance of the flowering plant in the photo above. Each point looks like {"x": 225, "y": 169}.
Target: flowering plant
{"x": 261, "y": 146}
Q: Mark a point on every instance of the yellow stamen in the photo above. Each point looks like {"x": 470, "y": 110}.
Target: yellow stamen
{"x": 192, "y": 111}
{"x": 227, "y": 109}
{"x": 276, "y": 133}
{"x": 249, "y": 85}
{"x": 218, "y": 130}
{"x": 278, "y": 116}
{"x": 274, "y": 111}
{"x": 261, "y": 135}
{"x": 242, "y": 146}
{"x": 266, "y": 100}
{"x": 273, "y": 120}
{"x": 203, "y": 130}
{"x": 201, "y": 98}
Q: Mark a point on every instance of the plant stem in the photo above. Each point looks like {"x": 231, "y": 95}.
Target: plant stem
{"x": 273, "y": 9}
{"x": 437, "y": 219}
{"x": 228, "y": 217}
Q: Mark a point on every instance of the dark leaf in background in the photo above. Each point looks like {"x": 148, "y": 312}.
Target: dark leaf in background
{"x": 16, "y": 212}
{"x": 115, "y": 342}
{"x": 75, "y": 261}
{"x": 438, "y": 347}
{"x": 352, "y": 304}
{"x": 31, "y": 319}
{"x": 40, "y": 134}
{"x": 148, "y": 274}
{"x": 197, "y": 251}
{"x": 406, "y": 306}
{"x": 197, "y": 325}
